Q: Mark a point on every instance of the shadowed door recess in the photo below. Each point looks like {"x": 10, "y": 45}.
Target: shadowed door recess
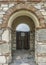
{"x": 22, "y": 40}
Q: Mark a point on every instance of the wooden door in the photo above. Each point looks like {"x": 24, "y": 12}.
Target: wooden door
{"x": 22, "y": 40}
{"x": 27, "y": 40}
{"x": 18, "y": 40}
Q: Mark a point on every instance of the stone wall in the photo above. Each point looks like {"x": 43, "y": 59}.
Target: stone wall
{"x": 5, "y": 48}
{"x": 40, "y": 12}
{"x": 40, "y": 47}
{"x": 39, "y": 9}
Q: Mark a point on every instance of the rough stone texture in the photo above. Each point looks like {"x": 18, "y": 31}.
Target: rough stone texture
{"x": 5, "y": 64}
{"x": 41, "y": 63}
{"x": 11, "y": 5}
{"x": 5, "y": 37}
{"x": 9, "y": 58}
{"x": 39, "y": 8}
{"x": 23, "y": 57}
{"x": 2, "y": 59}
{"x": 41, "y": 48}
{"x": 42, "y": 59}
{"x": 45, "y": 18}
{"x": 4, "y": 48}
{"x": 1, "y": 31}
{"x": 41, "y": 35}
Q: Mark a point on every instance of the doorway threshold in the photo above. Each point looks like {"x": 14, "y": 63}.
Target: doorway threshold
{"x": 22, "y": 57}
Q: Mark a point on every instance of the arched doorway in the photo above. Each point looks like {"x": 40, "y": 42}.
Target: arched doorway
{"x": 27, "y": 27}
{"x": 26, "y": 17}
{"x": 12, "y": 14}
{"x": 23, "y": 36}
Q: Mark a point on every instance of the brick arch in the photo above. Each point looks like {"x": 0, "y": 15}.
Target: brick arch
{"x": 16, "y": 8}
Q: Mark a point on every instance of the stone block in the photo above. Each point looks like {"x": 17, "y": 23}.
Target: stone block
{"x": 38, "y": 6}
{"x": 24, "y": 64}
{"x": 14, "y": 45}
{"x": 42, "y": 59}
{"x": 1, "y": 19}
{"x": 36, "y": 58}
{"x": 5, "y": 9}
{"x": 9, "y": 58}
{"x": 4, "y": 5}
{"x": 1, "y": 31}
{"x": 39, "y": 14}
{"x": 45, "y": 18}
{"x": 41, "y": 48}
{"x": 41, "y": 35}
{"x": 5, "y": 64}
{"x": 43, "y": 13}
{"x": 1, "y": 8}
{"x": 2, "y": 59}
{"x": 1, "y": 15}
{"x": 45, "y": 4}
{"x": 11, "y": 5}
{"x": 4, "y": 36}
{"x": 2, "y": 12}
{"x": 0, "y": 22}
{"x": 41, "y": 63}
{"x": 42, "y": 10}
{"x": 4, "y": 48}
{"x": 0, "y": 37}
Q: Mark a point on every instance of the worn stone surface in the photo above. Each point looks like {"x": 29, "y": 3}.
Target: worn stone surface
{"x": 4, "y": 5}
{"x": 1, "y": 16}
{"x": 23, "y": 57}
{"x": 5, "y": 9}
{"x": 1, "y": 31}
{"x": 4, "y": 48}
{"x": 42, "y": 63}
{"x": 42, "y": 59}
{"x": 10, "y": 5}
{"x": 41, "y": 35}
{"x": 41, "y": 48}
{"x": 5, "y": 64}
{"x": 34, "y": 7}
{"x": 2, "y": 59}
{"x": 2, "y": 12}
{"x": 38, "y": 6}
{"x": 43, "y": 13}
{"x": 39, "y": 9}
{"x": 9, "y": 58}
{"x": 5, "y": 37}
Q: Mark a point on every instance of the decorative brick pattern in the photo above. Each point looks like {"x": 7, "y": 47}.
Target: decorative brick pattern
{"x": 8, "y": 9}
{"x": 20, "y": 6}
